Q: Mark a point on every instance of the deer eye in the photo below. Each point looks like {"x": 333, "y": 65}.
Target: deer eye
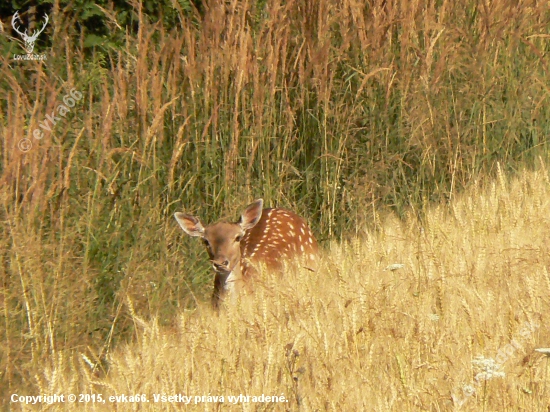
{"x": 238, "y": 238}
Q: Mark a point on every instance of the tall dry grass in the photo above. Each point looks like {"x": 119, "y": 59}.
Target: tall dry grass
{"x": 356, "y": 336}
{"x": 332, "y": 108}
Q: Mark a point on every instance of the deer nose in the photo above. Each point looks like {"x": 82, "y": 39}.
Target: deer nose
{"x": 224, "y": 265}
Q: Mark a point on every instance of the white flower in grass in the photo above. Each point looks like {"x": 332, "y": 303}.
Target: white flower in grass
{"x": 468, "y": 390}
{"x": 488, "y": 369}
{"x": 394, "y": 266}
{"x": 544, "y": 351}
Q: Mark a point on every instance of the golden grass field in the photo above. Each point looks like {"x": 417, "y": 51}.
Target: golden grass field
{"x": 357, "y": 336}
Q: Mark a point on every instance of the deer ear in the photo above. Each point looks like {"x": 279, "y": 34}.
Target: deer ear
{"x": 251, "y": 216}
{"x": 190, "y": 224}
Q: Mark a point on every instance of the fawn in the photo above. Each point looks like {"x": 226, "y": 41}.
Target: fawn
{"x": 261, "y": 236}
